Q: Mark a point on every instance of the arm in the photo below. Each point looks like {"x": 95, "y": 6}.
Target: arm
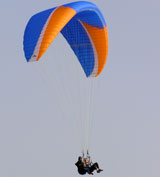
{"x": 89, "y": 162}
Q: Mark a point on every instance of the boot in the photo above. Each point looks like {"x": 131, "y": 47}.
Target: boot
{"x": 99, "y": 170}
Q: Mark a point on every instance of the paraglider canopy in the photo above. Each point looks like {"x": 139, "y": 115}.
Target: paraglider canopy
{"x": 82, "y": 25}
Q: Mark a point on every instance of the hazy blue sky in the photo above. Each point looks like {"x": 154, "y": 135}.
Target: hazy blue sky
{"x": 36, "y": 140}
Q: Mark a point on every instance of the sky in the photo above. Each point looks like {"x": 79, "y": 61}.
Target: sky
{"x": 37, "y": 139}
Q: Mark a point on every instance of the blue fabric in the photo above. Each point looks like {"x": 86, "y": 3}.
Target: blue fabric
{"x": 33, "y": 31}
{"x": 89, "y": 12}
{"x": 80, "y": 43}
{"x": 80, "y": 5}
{"x": 91, "y": 18}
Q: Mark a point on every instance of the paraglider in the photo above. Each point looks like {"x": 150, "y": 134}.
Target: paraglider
{"x": 83, "y": 26}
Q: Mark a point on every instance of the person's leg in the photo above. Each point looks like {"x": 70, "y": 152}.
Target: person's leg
{"x": 94, "y": 167}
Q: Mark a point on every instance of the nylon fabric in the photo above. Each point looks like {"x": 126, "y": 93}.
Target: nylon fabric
{"x": 76, "y": 17}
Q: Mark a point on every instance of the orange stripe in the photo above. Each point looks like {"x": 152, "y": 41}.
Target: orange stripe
{"x": 100, "y": 40}
{"x": 58, "y": 20}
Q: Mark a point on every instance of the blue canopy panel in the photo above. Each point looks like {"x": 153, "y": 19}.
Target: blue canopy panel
{"x": 90, "y": 13}
{"x": 33, "y": 31}
{"x": 80, "y": 43}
